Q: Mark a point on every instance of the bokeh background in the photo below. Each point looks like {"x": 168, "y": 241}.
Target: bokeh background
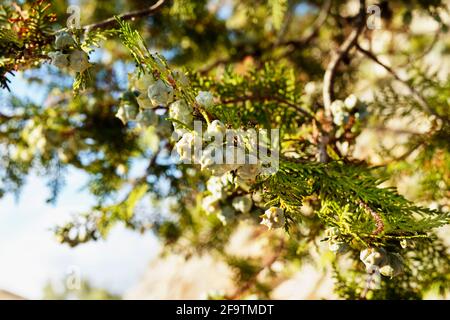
{"x": 126, "y": 264}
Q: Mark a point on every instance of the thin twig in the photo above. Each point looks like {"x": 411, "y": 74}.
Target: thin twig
{"x": 270, "y": 98}
{"x": 330, "y": 73}
{"x": 240, "y": 291}
{"x": 379, "y": 223}
{"x": 313, "y": 30}
{"x": 4, "y": 117}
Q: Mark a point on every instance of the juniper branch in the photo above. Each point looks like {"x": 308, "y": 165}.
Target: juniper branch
{"x": 314, "y": 30}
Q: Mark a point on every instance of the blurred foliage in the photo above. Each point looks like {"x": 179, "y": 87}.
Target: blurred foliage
{"x": 264, "y": 62}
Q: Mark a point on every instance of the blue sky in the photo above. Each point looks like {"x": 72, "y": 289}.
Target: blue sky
{"x": 29, "y": 254}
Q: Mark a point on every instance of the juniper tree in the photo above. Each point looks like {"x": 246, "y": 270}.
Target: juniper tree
{"x": 303, "y": 67}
